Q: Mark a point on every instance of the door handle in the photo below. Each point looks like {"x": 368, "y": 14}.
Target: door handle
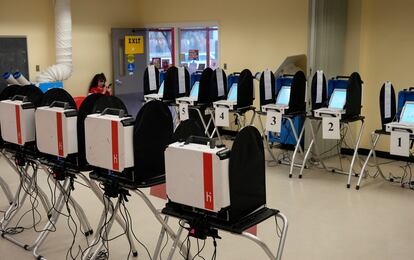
{"x": 118, "y": 82}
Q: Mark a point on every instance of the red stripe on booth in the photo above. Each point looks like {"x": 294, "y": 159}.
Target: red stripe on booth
{"x": 115, "y": 152}
{"x": 208, "y": 181}
{"x": 18, "y": 126}
{"x": 59, "y": 129}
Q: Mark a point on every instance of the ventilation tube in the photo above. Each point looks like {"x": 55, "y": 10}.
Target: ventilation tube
{"x": 62, "y": 70}
{"x": 8, "y": 77}
{"x": 21, "y": 79}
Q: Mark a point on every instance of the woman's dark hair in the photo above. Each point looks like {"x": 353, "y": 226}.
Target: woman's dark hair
{"x": 96, "y": 79}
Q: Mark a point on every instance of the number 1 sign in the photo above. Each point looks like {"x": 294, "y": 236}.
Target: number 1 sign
{"x": 400, "y": 143}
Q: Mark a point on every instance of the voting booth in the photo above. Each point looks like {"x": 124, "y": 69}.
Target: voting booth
{"x": 239, "y": 100}
{"x": 213, "y": 188}
{"x": 17, "y": 120}
{"x": 342, "y": 107}
{"x": 398, "y": 123}
{"x": 134, "y": 159}
{"x": 176, "y": 84}
{"x": 289, "y": 101}
{"x": 56, "y": 122}
{"x": 197, "y": 106}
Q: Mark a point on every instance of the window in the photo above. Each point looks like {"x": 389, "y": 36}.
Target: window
{"x": 161, "y": 47}
{"x": 199, "y": 48}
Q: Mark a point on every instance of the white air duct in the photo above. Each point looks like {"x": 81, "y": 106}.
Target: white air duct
{"x": 21, "y": 79}
{"x": 62, "y": 70}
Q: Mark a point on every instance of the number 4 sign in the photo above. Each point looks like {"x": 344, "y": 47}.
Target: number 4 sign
{"x": 222, "y": 116}
{"x": 273, "y": 121}
{"x": 400, "y": 143}
{"x": 330, "y": 128}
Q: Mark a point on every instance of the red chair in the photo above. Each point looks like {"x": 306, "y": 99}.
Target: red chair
{"x": 79, "y": 100}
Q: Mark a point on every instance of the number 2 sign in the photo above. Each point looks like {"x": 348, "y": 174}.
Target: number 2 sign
{"x": 330, "y": 128}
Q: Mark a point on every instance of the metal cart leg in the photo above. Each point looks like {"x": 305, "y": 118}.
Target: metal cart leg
{"x": 63, "y": 197}
{"x": 6, "y": 190}
{"x": 355, "y": 153}
{"x": 265, "y": 139}
{"x": 281, "y": 244}
{"x": 175, "y": 243}
{"x": 374, "y": 142}
{"x": 297, "y": 146}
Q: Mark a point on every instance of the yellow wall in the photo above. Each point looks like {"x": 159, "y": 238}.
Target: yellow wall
{"x": 387, "y": 40}
{"x": 92, "y": 21}
{"x": 254, "y": 35}
{"x": 36, "y": 26}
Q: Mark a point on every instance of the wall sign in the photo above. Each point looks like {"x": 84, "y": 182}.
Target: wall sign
{"x": 134, "y": 44}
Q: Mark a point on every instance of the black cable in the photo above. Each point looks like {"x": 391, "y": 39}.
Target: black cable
{"x": 182, "y": 243}
{"x": 199, "y": 250}
{"x": 215, "y": 249}
{"x": 99, "y": 231}
{"x": 80, "y": 183}
{"x": 132, "y": 231}
{"x": 32, "y": 191}
{"x": 166, "y": 242}
{"x": 126, "y": 227}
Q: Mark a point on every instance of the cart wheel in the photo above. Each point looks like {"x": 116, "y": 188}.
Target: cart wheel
{"x": 357, "y": 187}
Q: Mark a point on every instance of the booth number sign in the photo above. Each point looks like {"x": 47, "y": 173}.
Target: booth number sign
{"x": 222, "y": 116}
{"x": 273, "y": 121}
{"x": 134, "y": 44}
{"x": 331, "y": 128}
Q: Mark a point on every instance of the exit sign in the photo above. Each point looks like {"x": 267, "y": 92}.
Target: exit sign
{"x": 134, "y": 44}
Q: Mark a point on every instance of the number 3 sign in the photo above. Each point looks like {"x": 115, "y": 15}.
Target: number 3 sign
{"x": 273, "y": 121}
{"x": 330, "y": 128}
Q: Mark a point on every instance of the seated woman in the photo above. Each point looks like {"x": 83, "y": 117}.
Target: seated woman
{"x": 98, "y": 85}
